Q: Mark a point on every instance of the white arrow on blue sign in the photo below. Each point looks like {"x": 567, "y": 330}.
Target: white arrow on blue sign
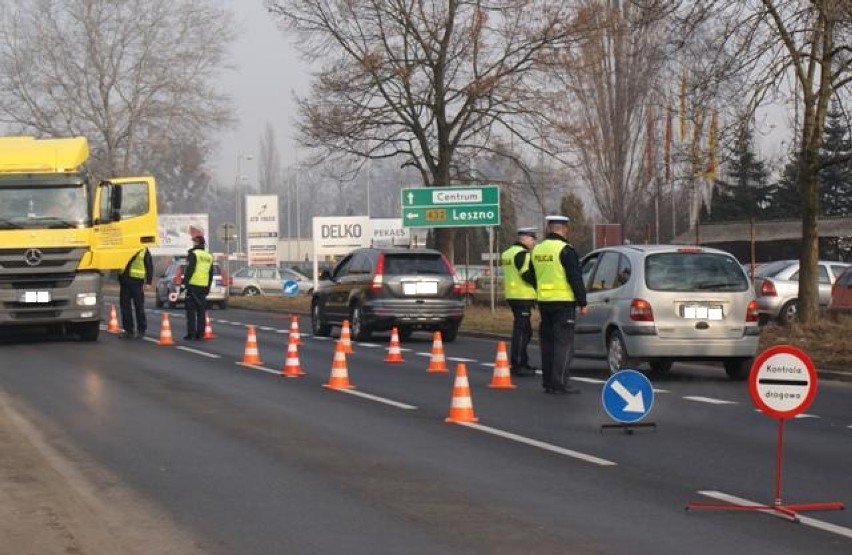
{"x": 627, "y": 396}
{"x": 289, "y": 288}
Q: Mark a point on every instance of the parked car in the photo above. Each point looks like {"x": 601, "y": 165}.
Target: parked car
{"x": 841, "y": 296}
{"x": 777, "y": 288}
{"x": 378, "y": 288}
{"x": 665, "y": 303}
{"x": 267, "y": 280}
{"x": 168, "y": 289}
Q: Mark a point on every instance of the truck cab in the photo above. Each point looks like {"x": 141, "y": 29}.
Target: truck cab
{"x": 61, "y": 230}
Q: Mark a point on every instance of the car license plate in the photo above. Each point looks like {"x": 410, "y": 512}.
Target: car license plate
{"x": 701, "y": 312}
{"x": 35, "y": 297}
{"x": 420, "y": 288}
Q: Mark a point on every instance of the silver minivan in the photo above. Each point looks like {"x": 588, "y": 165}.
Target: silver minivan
{"x": 664, "y": 303}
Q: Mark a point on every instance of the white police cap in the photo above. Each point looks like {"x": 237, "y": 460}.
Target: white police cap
{"x": 558, "y": 220}
{"x": 531, "y": 231}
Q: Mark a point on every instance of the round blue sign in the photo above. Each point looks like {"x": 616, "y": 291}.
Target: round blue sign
{"x": 289, "y": 288}
{"x": 627, "y": 396}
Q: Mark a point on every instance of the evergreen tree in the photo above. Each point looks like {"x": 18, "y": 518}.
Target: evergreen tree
{"x": 836, "y": 173}
{"x": 744, "y": 193}
{"x": 784, "y": 197}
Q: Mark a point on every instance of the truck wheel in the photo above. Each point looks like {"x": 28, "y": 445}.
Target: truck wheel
{"x": 87, "y": 331}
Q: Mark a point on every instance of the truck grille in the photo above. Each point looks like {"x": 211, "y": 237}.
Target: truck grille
{"x": 34, "y": 268}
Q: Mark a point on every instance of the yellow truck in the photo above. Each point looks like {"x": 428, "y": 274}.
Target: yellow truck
{"x": 61, "y": 231}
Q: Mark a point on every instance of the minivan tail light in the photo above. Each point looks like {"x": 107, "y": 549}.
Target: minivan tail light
{"x": 752, "y": 312}
{"x": 178, "y": 279}
{"x": 378, "y": 278}
{"x": 640, "y": 311}
{"x": 458, "y": 289}
{"x": 767, "y": 289}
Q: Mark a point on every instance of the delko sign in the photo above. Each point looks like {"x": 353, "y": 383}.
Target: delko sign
{"x": 783, "y": 381}
{"x": 450, "y": 206}
{"x": 339, "y": 235}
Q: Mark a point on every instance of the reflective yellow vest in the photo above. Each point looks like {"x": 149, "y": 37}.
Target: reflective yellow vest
{"x": 137, "y": 265}
{"x": 514, "y": 286}
{"x": 551, "y": 280}
{"x": 203, "y": 265}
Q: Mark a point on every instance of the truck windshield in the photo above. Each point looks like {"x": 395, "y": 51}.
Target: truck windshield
{"x": 43, "y": 207}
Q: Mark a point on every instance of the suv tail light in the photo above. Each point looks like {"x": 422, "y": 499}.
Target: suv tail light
{"x": 178, "y": 279}
{"x": 458, "y": 288}
{"x": 767, "y": 289}
{"x": 640, "y": 311}
{"x": 378, "y": 278}
{"x": 752, "y": 312}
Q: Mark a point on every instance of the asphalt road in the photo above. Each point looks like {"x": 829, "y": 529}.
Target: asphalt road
{"x": 248, "y": 462}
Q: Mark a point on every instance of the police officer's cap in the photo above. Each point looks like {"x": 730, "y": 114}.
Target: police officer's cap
{"x": 198, "y": 240}
{"x": 530, "y": 231}
{"x": 564, "y": 220}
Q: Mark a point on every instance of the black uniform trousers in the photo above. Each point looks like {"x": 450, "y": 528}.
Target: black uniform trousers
{"x": 196, "y": 311}
{"x": 131, "y": 299}
{"x": 521, "y": 332}
{"x": 556, "y": 335}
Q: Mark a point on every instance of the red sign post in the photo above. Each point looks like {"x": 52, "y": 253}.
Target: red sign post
{"x": 782, "y": 384}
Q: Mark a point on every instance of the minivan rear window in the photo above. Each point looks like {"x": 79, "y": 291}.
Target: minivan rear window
{"x": 419, "y": 263}
{"x": 704, "y": 271}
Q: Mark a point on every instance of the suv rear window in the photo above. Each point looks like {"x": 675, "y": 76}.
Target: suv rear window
{"x": 677, "y": 271}
{"x": 415, "y": 263}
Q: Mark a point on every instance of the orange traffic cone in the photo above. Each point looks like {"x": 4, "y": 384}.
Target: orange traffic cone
{"x": 339, "y": 378}
{"x": 292, "y": 368}
{"x": 394, "y": 352}
{"x": 461, "y": 408}
{"x": 502, "y": 378}
{"x": 294, "y": 329}
{"x": 113, "y": 326}
{"x": 208, "y": 329}
{"x": 437, "y": 364}
{"x": 345, "y": 339}
{"x": 165, "y": 331}
{"x": 251, "y": 355}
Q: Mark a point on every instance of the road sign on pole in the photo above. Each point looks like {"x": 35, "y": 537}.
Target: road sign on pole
{"x": 450, "y": 206}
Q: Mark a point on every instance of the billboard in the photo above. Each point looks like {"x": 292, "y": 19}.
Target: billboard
{"x": 176, "y": 232}
{"x": 262, "y": 229}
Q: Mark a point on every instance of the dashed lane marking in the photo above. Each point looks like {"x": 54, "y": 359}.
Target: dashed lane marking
{"x": 539, "y": 444}
{"x": 804, "y": 520}
{"x": 378, "y": 399}
{"x": 369, "y": 345}
{"x": 589, "y": 380}
{"x": 709, "y": 400}
{"x": 461, "y": 359}
{"x": 806, "y": 415}
{"x": 266, "y": 328}
{"x": 258, "y": 367}
{"x": 423, "y": 354}
{"x": 197, "y": 352}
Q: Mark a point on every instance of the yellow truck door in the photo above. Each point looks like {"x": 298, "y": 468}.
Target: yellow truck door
{"x": 125, "y": 220}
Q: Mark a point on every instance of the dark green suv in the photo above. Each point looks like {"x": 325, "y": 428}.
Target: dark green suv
{"x": 378, "y": 288}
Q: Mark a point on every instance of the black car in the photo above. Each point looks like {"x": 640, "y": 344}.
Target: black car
{"x": 378, "y": 288}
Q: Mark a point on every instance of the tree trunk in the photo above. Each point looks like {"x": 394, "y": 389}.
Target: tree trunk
{"x": 444, "y": 236}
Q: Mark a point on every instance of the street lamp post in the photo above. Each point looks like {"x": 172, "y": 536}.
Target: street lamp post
{"x": 237, "y": 187}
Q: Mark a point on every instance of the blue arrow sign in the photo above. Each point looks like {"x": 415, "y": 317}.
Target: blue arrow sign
{"x": 289, "y": 288}
{"x": 627, "y": 396}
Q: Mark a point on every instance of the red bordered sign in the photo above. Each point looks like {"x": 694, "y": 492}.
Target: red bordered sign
{"x": 783, "y": 381}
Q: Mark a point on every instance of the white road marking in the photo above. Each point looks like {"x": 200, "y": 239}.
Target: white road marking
{"x": 369, "y": 345}
{"x": 197, "y": 352}
{"x": 806, "y": 415}
{"x": 423, "y": 354}
{"x": 805, "y": 520}
{"x": 589, "y": 380}
{"x": 461, "y": 359}
{"x": 261, "y": 368}
{"x": 266, "y": 328}
{"x": 322, "y": 338}
{"x": 282, "y": 331}
{"x": 378, "y": 399}
{"x": 540, "y": 444}
{"x": 709, "y": 400}
{"x": 489, "y": 364}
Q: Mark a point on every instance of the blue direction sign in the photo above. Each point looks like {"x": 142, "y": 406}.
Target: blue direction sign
{"x": 289, "y": 288}
{"x": 627, "y": 396}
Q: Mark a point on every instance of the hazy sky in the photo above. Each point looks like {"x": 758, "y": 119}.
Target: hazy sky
{"x": 268, "y": 71}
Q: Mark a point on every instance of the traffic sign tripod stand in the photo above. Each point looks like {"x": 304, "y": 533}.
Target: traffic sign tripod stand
{"x": 789, "y": 511}
{"x": 628, "y": 428}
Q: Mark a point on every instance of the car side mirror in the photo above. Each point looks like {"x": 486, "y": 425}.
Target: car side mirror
{"x": 325, "y": 275}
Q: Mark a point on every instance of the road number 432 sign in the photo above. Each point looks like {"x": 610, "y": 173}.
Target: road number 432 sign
{"x": 783, "y": 381}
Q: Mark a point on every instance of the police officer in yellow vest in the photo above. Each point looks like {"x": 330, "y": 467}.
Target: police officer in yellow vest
{"x": 558, "y": 280}
{"x": 131, "y": 297}
{"x": 197, "y": 279}
{"x": 520, "y": 295}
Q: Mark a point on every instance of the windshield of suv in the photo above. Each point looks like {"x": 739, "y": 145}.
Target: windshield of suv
{"x": 679, "y": 271}
{"x": 415, "y": 263}
{"x": 43, "y": 207}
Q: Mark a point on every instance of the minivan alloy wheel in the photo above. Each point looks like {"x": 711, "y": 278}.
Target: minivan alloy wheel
{"x": 616, "y": 352}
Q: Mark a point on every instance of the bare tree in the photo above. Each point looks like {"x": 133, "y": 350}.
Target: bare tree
{"x": 130, "y": 75}
{"x": 803, "y": 45}
{"x": 423, "y": 79}
{"x": 607, "y": 88}
{"x": 269, "y": 164}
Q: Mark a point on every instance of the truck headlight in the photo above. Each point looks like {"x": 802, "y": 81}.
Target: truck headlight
{"x": 87, "y": 299}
